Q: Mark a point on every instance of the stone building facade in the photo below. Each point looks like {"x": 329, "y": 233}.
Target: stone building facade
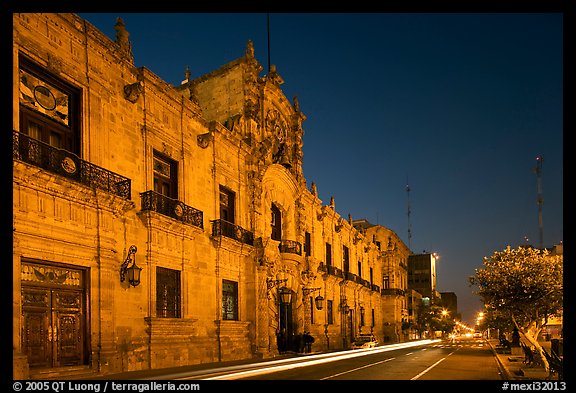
{"x": 160, "y": 226}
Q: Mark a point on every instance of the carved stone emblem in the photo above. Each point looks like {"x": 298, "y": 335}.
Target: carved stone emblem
{"x": 68, "y": 165}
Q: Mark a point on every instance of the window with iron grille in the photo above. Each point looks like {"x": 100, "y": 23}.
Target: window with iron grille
{"x": 167, "y": 293}
{"x": 229, "y": 300}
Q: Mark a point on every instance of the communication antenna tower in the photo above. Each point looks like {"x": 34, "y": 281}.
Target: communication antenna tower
{"x": 408, "y": 213}
{"x": 540, "y": 198}
{"x": 268, "y": 33}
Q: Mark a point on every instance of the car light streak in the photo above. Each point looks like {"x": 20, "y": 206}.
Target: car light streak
{"x": 312, "y": 360}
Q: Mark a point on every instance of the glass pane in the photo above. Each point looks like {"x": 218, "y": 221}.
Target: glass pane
{"x": 44, "y": 97}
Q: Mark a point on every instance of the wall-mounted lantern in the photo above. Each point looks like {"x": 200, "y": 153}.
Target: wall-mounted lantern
{"x": 318, "y": 300}
{"x": 129, "y": 270}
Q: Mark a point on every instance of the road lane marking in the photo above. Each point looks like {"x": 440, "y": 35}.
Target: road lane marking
{"x": 356, "y": 369}
{"x": 432, "y": 366}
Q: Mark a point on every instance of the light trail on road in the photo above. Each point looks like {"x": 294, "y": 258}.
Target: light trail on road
{"x": 288, "y": 364}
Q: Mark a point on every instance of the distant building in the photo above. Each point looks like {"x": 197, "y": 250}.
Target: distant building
{"x": 394, "y": 259}
{"x": 449, "y": 302}
{"x": 422, "y": 275}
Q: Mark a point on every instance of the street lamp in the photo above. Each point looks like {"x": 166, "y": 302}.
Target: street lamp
{"x": 285, "y": 296}
{"x": 318, "y": 300}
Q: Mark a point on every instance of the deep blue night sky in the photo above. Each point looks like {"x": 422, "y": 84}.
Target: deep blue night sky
{"x": 456, "y": 105}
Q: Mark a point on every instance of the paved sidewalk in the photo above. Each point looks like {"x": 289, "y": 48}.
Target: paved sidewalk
{"x": 513, "y": 366}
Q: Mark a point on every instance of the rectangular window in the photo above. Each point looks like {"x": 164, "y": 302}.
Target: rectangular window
{"x": 276, "y": 223}
{"x": 312, "y": 310}
{"x": 371, "y": 276}
{"x": 362, "y": 320}
{"x": 345, "y": 259}
{"x": 373, "y": 318}
{"x": 167, "y": 293}
{"x": 328, "y": 254}
{"x": 49, "y": 107}
{"x": 165, "y": 175}
{"x": 385, "y": 282}
{"x": 229, "y": 300}
{"x": 307, "y": 244}
{"x": 329, "y": 312}
{"x": 227, "y": 198}
{"x": 360, "y": 269}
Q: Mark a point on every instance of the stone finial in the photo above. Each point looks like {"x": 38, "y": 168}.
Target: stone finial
{"x": 332, "y": 204}
{"x": 187, "y": 73}
{"x": 313, "y": 189}
{"x": 250, "y": 49}
{"x": 296, "y": 105}
{"x": 122, "y": 38}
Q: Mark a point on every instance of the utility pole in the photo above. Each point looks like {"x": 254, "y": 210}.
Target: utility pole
{"x": 540, "y": 198}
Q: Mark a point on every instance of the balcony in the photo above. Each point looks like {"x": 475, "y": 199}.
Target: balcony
{"x": 290, "y": 247}
{"x": 173, "y": 208}
{"x": 392, "y": 291}
{"x": 334, "y": 271}
{"x": 224, "y": 228}
{"x": 67, "y": 164}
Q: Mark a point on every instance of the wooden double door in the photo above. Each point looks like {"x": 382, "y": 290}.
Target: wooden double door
{"x": 53, "y": 326}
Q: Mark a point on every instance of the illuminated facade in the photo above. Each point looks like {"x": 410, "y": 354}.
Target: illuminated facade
{"x": 157, "y": 225}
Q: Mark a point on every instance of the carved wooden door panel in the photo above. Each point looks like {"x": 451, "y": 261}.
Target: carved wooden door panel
{"x": 66, "y": 323}
{"x": 52, "y": 327}
{"x": 36, "y": 328}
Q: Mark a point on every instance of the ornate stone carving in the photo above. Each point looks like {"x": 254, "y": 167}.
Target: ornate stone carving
{"x": 204, "y": 140}
{"x": 274, "y": 76}
{"x": 132, "y": 91}
{"x": 320, "y": 216}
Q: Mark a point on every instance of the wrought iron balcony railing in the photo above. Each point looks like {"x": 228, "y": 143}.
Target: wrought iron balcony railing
{"x": 224, "y": 228}
{"x": 173, "y": 208}
{"x": 335, "y": 271}
{"x": 392, "y": 291}
{"x": 67, "y": 164}
{"x": 290, "y": 247}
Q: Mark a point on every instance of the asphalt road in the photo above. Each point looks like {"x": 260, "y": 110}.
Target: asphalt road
{"x": 462, "y": 359}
